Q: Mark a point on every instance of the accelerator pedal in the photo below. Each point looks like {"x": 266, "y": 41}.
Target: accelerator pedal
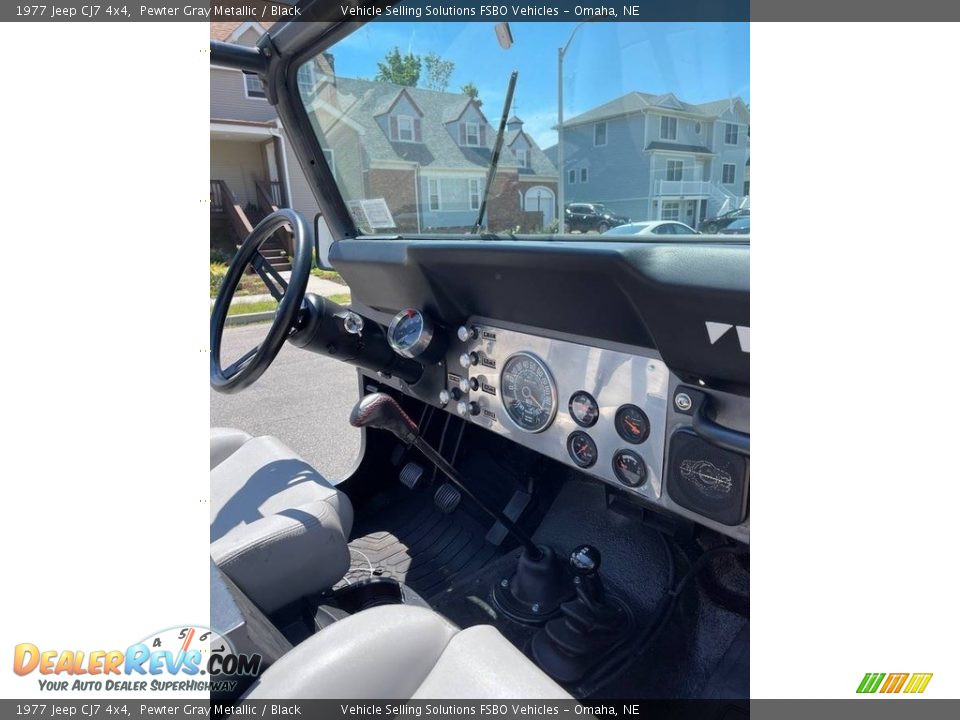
{"x": 447, "y": 498}
{"x": 411, "y": 475}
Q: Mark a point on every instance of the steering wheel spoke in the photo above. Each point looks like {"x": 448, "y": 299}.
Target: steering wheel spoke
{"x": 274, "y": 281}
{"x": 238, "y": 364}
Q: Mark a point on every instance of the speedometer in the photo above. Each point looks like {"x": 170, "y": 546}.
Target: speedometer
{"x": 528, "y": 392}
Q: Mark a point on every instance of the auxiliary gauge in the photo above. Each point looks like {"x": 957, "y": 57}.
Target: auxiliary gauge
{"x": 412, "y": 335}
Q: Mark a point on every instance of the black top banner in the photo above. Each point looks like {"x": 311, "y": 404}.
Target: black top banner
{"x": 479, "y": 10}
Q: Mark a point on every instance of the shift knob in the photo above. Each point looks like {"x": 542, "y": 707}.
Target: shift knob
{"x": 379, "y": 410}
{"x": 585, "y": 560}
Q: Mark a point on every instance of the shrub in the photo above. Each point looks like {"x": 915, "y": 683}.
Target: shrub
{"x": 217, "y": 272}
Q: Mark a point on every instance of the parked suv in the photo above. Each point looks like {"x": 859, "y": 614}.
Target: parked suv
{"x": 591, "y": 216}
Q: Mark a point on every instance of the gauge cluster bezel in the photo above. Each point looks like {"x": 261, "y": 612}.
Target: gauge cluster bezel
{"x": 611, "y": 378}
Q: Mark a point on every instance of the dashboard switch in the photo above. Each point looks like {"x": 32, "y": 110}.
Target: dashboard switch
{"x": 468, "y": 384}
{"x": 468, "y": 408}
{"x": 468, "y": 333}
{"x": 468, "y": 359}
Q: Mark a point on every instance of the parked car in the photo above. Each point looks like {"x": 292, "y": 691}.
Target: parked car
{"x": 737, "y": 227}
{"x": 655, "y": 227}
{"x": 716, "y": 224}
{"x": 585, "y": 217}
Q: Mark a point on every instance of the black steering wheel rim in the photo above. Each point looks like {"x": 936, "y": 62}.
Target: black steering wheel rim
{"x": 252, "y": 365}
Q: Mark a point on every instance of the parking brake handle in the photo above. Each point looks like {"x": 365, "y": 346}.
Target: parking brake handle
{"x": 379, "y": 410}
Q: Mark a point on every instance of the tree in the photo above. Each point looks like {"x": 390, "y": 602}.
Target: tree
{"x": 438, "y": 71}
{"x": 399, "y": 69}
{"x": 471, "y": 90}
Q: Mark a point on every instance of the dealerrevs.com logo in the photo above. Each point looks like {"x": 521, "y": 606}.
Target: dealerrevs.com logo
{"x": 181, "y": 659}
{"x": 909, "y": 683}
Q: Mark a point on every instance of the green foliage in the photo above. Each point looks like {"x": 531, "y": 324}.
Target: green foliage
{"x": 221, "y": 257}
{"x": 471, "y": 90}
{"x": 217, "y": 272}
{"x": 438, "y": 72}
{"x": 245, "y": 308}
{"x": 399, "y": 69}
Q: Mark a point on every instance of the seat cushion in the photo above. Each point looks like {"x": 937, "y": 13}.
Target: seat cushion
{"x": 402, "y": 652}
{"x": 278, "y": 529}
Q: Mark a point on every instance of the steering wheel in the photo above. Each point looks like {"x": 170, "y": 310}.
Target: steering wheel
{"x": 251, "y": 365}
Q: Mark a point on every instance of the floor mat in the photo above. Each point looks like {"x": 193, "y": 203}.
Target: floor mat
{"x": 635, "y": 567}
{"x": 411, "y": 541}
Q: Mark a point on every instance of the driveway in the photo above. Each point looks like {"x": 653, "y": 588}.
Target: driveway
{"x": 303, "y": 398}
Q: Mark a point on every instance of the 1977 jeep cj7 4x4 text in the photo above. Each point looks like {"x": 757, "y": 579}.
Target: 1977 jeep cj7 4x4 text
{"x": 552, "y": 498}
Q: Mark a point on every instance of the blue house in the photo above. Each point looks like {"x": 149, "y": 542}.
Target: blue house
{"x": 656, "y": 157}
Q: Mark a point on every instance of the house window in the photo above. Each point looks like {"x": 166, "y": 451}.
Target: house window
{"x": 252, "y": 86}
{"x": 731, "y": 134}
{"x": 670, "y": 211}
{"x": 404, "y": 128}
{"x": 306, "y": 79}
{"x": 600, "y": 134}
{"x": 472, "y": 134}
{"x": 729, "y": 174}
{"x": 433, "y": 194}
{"x": 474, "y": 187}
{"x": 583, "y": 175}
{"x": 522, "y": 159}
{"x": 674, "y": 169}
{"x": 668, "y": 128}
{"x": 328, "y": 156}
{"x": 571, "y": 177}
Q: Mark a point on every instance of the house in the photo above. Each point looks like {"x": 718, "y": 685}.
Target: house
{"x": 656, "y": 157}
{"x": 252, "y": 168}
{"x": 426, "y": 154}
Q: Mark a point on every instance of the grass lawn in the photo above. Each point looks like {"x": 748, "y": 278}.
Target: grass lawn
{"x": 340, "y": 299}
{"x": 252, "y": 307}
{"x": 332, "y": 275}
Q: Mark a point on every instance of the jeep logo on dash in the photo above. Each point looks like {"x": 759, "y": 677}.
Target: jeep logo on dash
{"x": 488, "y": 362}
{"x": 488, "y": 388}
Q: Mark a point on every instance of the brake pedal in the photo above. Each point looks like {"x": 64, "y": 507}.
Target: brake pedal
{"x": 411, "y": 475}
{"x": 446, "y": 498}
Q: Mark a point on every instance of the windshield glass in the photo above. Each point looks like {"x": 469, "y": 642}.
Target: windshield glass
{"x": 651, "y": 122}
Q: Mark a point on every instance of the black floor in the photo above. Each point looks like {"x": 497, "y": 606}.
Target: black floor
{"x": 411, "y": 541}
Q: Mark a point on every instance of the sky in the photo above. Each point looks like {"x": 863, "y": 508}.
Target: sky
{"x": 697, "y": 62}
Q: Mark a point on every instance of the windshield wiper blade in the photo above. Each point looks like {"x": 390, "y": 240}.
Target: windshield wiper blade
{"x": 495, "y": 158}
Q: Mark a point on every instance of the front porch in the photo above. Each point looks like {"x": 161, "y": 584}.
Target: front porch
{"x": 247, "y": 182}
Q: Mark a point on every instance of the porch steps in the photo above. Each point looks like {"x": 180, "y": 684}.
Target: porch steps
{"x": 275, "y": 254}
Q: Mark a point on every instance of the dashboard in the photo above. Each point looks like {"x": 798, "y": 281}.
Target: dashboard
{"x": 608, "y": 411}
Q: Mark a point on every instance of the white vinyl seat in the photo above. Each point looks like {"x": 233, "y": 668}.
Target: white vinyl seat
{"x": 278, "y": 529}
{"x": 404, "y": 652}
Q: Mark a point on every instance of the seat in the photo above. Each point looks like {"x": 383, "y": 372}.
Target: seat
{"x": 278, "y": 529}
{"x": 403, "y": 652}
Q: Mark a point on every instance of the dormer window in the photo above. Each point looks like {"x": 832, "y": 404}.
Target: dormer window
{"x": 668, "y": 128}
{"x": 404, "y": 128}
{"x": 471, "y": 134}
{"x": 523, "y": 158}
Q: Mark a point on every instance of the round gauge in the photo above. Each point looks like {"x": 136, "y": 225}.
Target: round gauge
{"x": 629, "y": 468}
{"x": 583, "y": 409}
{"x": 582, "y": 449}
{"x": 632, "y": 424}
{"x": 528, "y": 393}
{"x": 410, "y": 333}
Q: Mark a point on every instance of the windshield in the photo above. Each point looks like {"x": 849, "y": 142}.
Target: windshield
{"x": 650, "y": 122}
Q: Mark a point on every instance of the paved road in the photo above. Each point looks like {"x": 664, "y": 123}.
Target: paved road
{"x": 304, "y": 399}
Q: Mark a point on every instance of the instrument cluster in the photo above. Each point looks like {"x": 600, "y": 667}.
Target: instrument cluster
{"x": 600, "y": 410}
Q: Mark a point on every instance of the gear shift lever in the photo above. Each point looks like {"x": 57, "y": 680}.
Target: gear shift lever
{"x": 585, "y": 564}
{"x": 537, "y": 588}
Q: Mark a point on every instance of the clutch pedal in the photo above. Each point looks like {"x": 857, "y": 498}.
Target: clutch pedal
{"x": 411, "y": 475}
{"x": 446, "y": 498}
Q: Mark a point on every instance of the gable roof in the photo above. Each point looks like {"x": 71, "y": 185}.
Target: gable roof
{"x": 224, "y": 31}
{"x": 365, "y": 101}
{"x": 634, "y": 102}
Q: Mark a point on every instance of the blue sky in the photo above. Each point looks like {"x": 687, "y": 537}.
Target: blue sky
{"x": 696, "y": 61}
